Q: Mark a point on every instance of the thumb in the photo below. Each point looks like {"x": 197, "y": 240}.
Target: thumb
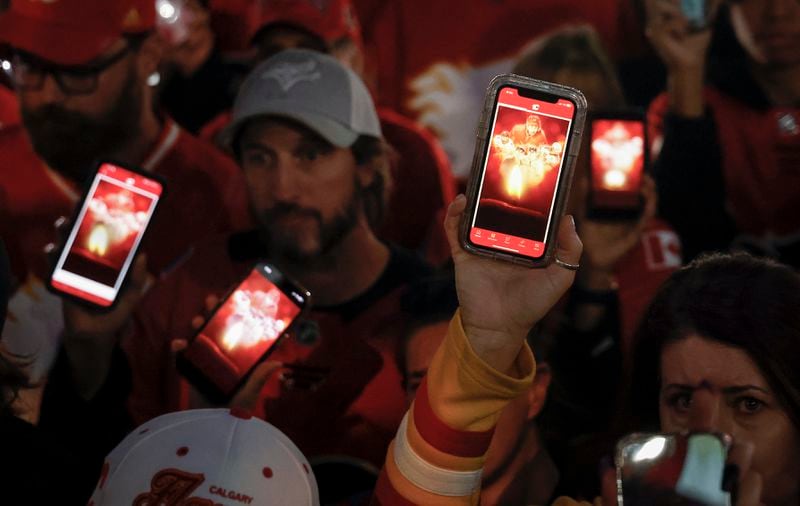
{"x": 452, "y": 222}
{"x": 139, "y": 281}
{"x": 248, "y": 396}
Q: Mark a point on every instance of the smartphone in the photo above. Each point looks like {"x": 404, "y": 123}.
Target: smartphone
{"x": 242, "y": 331}
{"x": 696, "y": 13}
{"x": 528, "y": 140}
{"x": 106, "y": 233}
{"x": 618, "y": 158}
{"x": 673, "y": 469}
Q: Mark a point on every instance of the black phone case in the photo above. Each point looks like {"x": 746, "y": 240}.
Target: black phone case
{"x": 76, "y": 212}
{"x": 621, "y": 213}
{"x": 201, "y": 381}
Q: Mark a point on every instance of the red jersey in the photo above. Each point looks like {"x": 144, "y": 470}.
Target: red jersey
{"x": 435, "y": 58}
{"x": 760, "y": 151}
{"x": 9, "y": 109}
{"x": 205, "y": 195}
{"x": 357, "y": 400}
{"x": 422, "y": 185}
{"x": 641, "y": 273}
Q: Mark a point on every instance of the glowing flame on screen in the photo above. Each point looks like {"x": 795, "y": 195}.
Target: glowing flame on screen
{"x": 514, "y": 182}
{"x": 98, "y": 240}
{"x": 615, "y": 179}
{"x": 253, "y": 320}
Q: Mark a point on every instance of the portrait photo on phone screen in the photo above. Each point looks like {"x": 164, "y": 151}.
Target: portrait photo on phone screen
{"x": 521, "y": 173}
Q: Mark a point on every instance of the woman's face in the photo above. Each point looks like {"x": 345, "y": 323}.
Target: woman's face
{"x": 769, "y": 30}
{"x": 707, "y": 385}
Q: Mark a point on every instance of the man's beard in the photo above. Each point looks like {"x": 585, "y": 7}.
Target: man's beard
{"x": 69, "y": 142}
{"x": 331, "y": 233}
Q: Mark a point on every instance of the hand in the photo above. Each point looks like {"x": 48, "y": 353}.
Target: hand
{"x": 90, "y": 335}
{"x": 500, "y": 302}
{"x": 83, "y": 323}
{"x": 683, "y": 51}
{"x": 668, "y": 30}
{"x": 248, "y": 395}
{"x": 605, "y": 243}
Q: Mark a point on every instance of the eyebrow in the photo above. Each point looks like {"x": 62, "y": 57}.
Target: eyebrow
{"x": 728, "y": 390}
{"x": 249, "y": 144}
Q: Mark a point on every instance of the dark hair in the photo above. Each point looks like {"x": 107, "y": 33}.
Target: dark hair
{"x": 378, "y": 153}
{"x": 573, "y": 49}
{"x": 735, "y": 299}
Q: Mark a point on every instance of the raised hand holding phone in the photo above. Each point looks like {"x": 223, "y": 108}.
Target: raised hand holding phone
{"x": 528, "y": 141}
{"x": 500, "y": 302}
{"x": 683, "y": 48}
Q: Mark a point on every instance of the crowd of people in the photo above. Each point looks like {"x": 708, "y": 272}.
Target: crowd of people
{"x": 331, "y": 138}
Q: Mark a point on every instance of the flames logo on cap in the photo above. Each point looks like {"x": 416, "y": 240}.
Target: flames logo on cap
{"x": 289, "y": 74}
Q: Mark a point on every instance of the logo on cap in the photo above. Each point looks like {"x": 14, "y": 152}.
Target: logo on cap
{"x": 289, "y": 74}
{"x": 173, "y": 487}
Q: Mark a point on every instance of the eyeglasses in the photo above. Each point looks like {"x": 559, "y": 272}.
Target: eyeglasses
{"x": 28, "y": 73}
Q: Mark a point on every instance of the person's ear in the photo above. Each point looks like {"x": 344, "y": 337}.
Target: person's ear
{"x": 537, "y": 393}
{"x": 150, "y": 55}
{"x": 368, "y": 171}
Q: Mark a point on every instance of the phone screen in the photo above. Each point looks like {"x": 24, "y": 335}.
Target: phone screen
{"x": 672, "y": 469}
{"x": 522, "y": 167}
{"x": 696, "y": 12}
{"x": 618, "y": 158}
{"x": 245, "y": 326}
{"x": 106, "y": 234}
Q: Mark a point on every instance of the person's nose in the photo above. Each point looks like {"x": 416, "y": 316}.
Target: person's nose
{"x": 706, "y": 413}
{"x": 286, "y": 183}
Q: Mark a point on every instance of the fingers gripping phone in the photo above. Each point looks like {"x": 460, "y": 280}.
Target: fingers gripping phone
{"x": 525, "y": 153}
{"x": 106, "y": 234}
{"x": 673, "y": 469}
{"x": 618, "y": 157}
{"x": 243, "y": 330}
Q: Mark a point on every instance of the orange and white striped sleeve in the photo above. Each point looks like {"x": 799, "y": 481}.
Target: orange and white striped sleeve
{"x": 438, "y": 453}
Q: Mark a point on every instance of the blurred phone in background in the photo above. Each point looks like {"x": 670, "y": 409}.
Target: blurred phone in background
{"x": 672, "y": 469}
{"x": 618, "y": 157}
{"x": 696, "y": 13}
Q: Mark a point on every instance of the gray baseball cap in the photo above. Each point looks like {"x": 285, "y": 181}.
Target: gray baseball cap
{"x": 311, "y": 88}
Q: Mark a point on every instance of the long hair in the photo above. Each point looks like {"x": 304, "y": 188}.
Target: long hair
{"x": 738, "y": 300}
{"x": 574, "y": 49}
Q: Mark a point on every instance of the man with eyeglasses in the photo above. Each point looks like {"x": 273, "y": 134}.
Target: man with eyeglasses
{"x": 80, "y": 70}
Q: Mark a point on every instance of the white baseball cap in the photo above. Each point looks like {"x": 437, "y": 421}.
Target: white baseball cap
{"x": 214, "y": 456}
{"x": 309, "y": 87}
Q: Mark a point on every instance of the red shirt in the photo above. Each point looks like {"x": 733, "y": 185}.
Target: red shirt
{"x": 9, "y": 109}
{"x": 641, "y": 273}
{"x": 359, "y": 400}
{"x": 760, "y": 161}
{"x": 435, "y": 58}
